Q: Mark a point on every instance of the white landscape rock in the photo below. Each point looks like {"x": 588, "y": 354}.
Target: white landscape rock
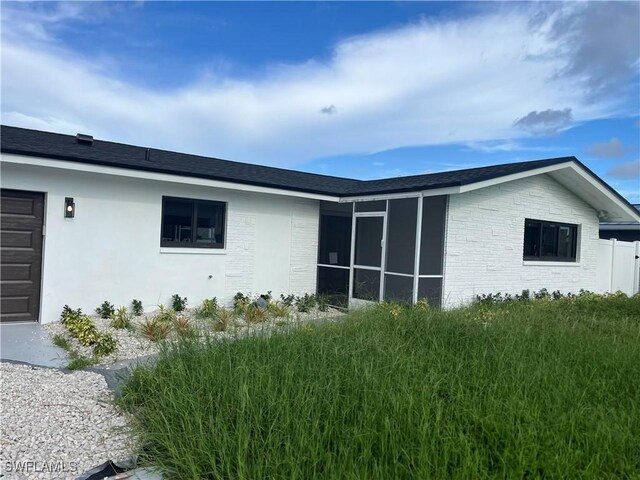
{"x": 57, "y": 425}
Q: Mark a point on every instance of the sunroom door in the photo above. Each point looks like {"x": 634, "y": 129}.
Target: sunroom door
{"x": 368, "y": 256}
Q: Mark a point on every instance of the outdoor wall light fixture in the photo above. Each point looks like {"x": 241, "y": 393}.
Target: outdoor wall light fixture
{"x": 69, "y": 207}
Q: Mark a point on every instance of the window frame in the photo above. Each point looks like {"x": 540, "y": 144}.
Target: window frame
{"x": 194, "y": 220}
{"x": 575, "y": 228}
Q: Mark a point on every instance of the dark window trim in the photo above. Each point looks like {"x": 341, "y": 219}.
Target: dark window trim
{"x": 194, "y": 221}
{"x": 539, "y": 257}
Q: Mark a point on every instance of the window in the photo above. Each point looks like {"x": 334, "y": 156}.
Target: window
{"x": 550, "y": 241}
{"x": 192, "y": 223}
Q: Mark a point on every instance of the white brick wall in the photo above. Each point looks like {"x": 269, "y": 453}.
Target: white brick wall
{"x": 111, "y": 249}
{"x": 272, "y": 245}
{"x": 485, "y": 236}
{"x": 305, "y": 219}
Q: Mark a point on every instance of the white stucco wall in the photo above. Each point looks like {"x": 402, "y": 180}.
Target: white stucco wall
{"x": 485, "y": 238}
{"x": 111, "y": 249}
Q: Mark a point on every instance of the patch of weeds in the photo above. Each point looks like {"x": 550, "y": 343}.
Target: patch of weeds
{"x": 240, "y": 303}
{"x": 422, "y": 305}
{"x": 136, "y": 308}
{"x": 61, "y": 342}
{"x": 178, "y": 303}
{"x": 76, "y": 361}
{"x": 121, "y": 319}
{"x": 254, "y": 314}
{"x": 391, "y": 309}
{"x": 105, "y": 310}
{"x": 208, "y": 308}
{"x": 154, "y": 329}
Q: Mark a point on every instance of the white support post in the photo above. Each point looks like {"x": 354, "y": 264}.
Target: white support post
{"x": 383, "y": 244}
{"x": 613, "y": 264}
{"x": 416, "y": 265}
{"x": 636, "y": 275}
{"x": 353, "y": 253}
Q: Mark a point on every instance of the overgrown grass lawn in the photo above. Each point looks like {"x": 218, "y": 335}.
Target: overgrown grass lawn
{"x": 538, "y": 389}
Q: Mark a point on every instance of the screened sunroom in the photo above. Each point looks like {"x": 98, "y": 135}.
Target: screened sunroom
{"x": 382, "y": 250}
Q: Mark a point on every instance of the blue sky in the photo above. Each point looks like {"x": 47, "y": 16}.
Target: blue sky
{"x": 363, "y": 90}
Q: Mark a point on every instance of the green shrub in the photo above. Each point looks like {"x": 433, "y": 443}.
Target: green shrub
{"x": 240, "y": 303}
{"x": 178, "y": 303}
{"x": 104, "y": 345}
{"x": 288, "y": 299}
{"x": 105, "y": 310}
{"x": 121, "y": 319}
{"x": 322, "y": 302}
{"x": 136, "y": 308}
{"x": 68, "y": 312}
{"x": 208, "y": 308}
{"x": 306, "y": 303}
{"x": 82, "y": 328}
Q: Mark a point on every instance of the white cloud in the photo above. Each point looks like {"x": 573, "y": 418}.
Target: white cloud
{"x": 626, "y": 171}
{"x": 614, "y": 148}
{"x": 465, "y": 80}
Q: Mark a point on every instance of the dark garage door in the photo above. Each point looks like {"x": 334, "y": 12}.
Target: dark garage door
{"x": 21, "y": 215}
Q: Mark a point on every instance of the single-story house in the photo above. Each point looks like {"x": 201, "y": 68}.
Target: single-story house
{"x": 625, "y": 231}
{"x": 85, "y": 221}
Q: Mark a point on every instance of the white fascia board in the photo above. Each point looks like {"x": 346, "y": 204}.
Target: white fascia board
{"x": 628, "y": 213}
{"x": 458, "y": 189}
{"x": 393, "y": 196}
{"x": 514, "y": 176}
{"x": 161, "y": 177}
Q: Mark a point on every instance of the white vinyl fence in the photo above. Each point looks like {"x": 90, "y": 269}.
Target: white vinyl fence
{"x": 618, "y": 266}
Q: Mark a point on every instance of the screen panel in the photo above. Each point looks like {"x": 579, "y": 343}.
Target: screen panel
{"x": 366, "y": 284}
{"x": 398, "y": 289}
{"x": 333, "y": 283}
{"x": 374, "y": 206}
{"x": 434, "y": 211}
{"x": 368, "y": 251}
{"x": 334, "y": 243}
{"x": 431, "y": 290}
{"x": 401, "y": 235}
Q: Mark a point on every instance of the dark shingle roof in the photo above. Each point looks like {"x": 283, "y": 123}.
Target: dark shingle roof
{"x": 66, "y": 147}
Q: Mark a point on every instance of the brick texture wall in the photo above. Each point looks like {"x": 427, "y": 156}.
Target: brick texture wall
{"x": 485, "y": 236}
{"x": 305, "y": 219}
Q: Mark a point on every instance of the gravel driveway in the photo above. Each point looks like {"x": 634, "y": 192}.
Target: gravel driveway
{"x": 55, "y": 424}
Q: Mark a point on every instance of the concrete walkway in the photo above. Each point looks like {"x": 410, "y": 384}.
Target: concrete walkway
{"x": 30, "y": 343}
